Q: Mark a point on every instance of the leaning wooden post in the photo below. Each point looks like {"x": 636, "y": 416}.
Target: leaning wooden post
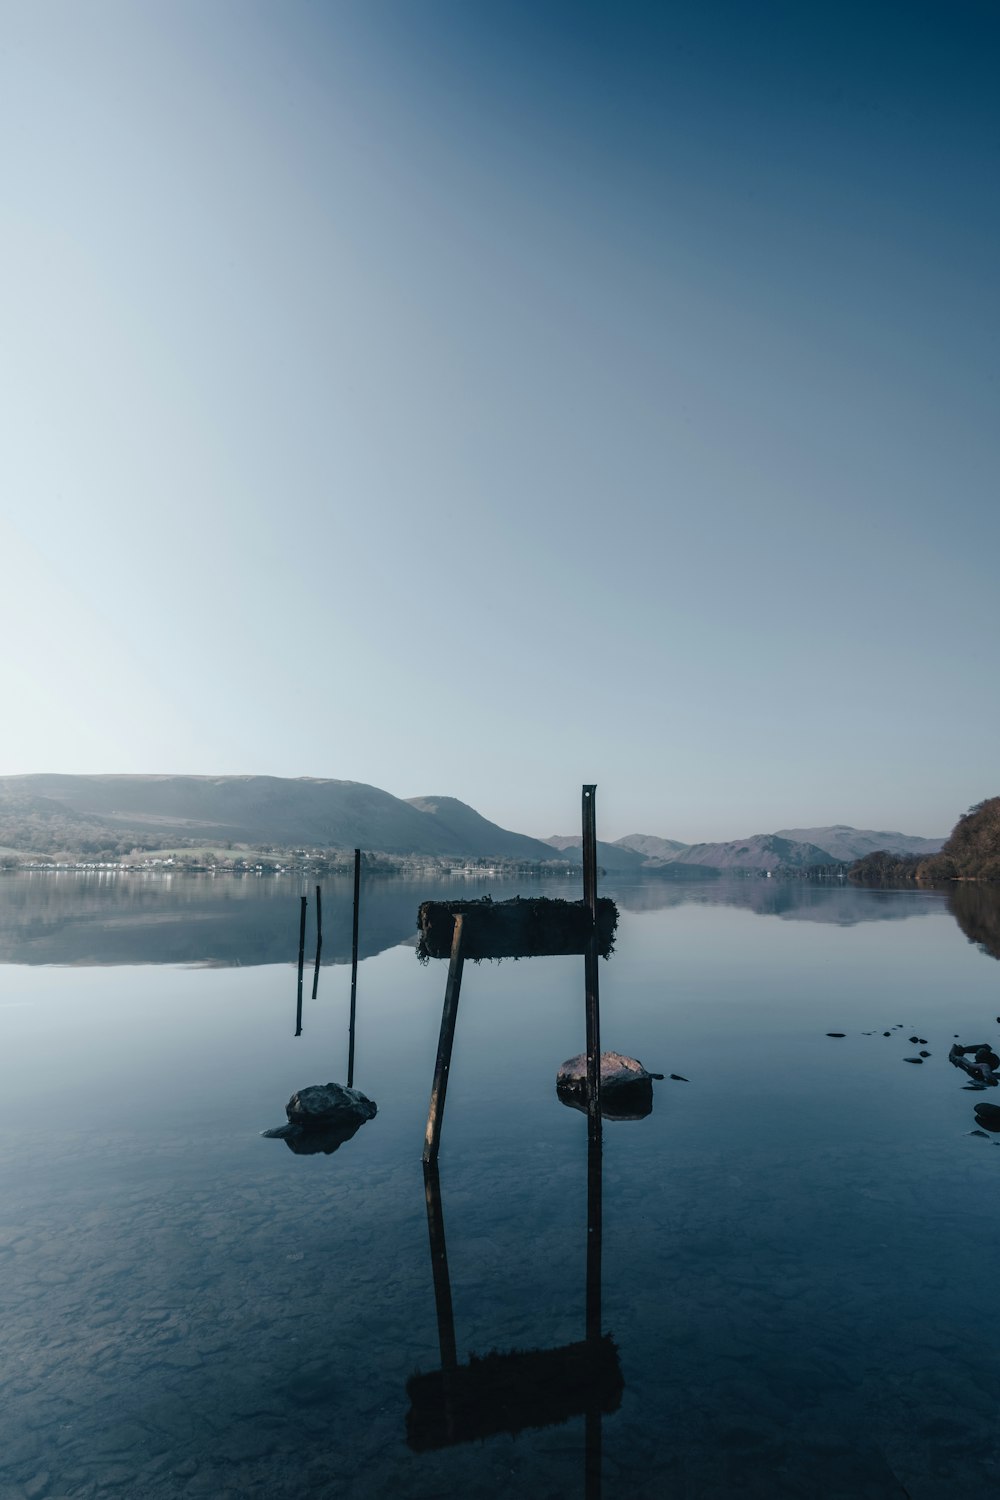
{"x": 354, "y": 969}
{"x": 593, "y": 999}
{"x": 435, "y": 1114}
{"x": 302, "y": 956}
{"x": 319, "y": 939}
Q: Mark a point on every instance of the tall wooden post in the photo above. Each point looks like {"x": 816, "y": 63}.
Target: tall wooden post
{"x": 302, "y": 957}
{"x": 593, "y": 999}
{"x": 354, "y": 969}
{"x": 595, "y": 1164}
{"x": 446, "y": 1040}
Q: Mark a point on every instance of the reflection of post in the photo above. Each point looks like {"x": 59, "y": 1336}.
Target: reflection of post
{"x": 354, "y": 969}
{"x": 302, "y": 955}
{"x": 446, "y": 1040}
{"x": 442, "y": 1293}
{"x": 592, "y": 1428}
{"x": 439, "y": 1266}
{"x": 319, "y": 939}
{"x": 590, "y": 965}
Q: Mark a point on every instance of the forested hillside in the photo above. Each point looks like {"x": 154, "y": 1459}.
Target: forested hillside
{"x": 972, "y": 852}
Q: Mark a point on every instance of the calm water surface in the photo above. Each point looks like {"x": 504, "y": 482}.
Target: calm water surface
{"x": 799, "y": 1242}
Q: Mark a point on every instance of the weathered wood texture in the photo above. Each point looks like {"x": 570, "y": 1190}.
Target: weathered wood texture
{"x": 527, "y": 927}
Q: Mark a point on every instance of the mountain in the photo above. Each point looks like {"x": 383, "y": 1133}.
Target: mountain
{"x": 46, "y": 813}
{"x": 609, "y": 856}
{"x": 648, "y": 845}
{"x": 763, "y": 851}
{"x": 845, "y": 843}
{"x": 89, "y": 814}
{"x": 637, "y": 851}
{"x": 476, "y": 834}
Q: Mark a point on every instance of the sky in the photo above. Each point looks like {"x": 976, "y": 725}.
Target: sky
{"x": 485, "y": 399}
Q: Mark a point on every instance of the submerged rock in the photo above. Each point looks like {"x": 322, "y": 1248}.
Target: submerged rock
{"x": 322, "y": 1117}
{"x": 626, "y": 1086}
{"x": 988, "y": 1115}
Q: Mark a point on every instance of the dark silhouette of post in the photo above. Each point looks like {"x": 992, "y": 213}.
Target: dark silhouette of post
{"x": 354, "y": 969}
{"x": 319, "y": 939}
{"x": 593, "y": 1000}
{"x": 446, "y": 1040}
{"x": 595, "y": 1232}
{"x": 302, "y": 956}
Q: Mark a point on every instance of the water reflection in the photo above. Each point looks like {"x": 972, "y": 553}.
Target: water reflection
{"x": 227, "y": 921}
{"x": 521, "y": 1388}
{"x": 976, "y": 909}
{"x": 220, "y": 922}
{"x": 797, "y": 900}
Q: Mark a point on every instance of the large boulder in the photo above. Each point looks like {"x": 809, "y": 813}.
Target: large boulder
{"x": 322, "y": 1117}
{"x": 626, "y": 1086}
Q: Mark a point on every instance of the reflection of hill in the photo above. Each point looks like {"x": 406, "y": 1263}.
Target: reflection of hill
{"x": 976, "y": 909}
{"x": 191, "y": 919}
{"x": 793, "y": 900}
{"x": 198, "y": 919}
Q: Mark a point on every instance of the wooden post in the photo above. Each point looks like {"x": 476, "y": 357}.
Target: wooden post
{"x": 354, "y": 969}
{"x": 593, "y": 999}
{"x": 319, "y": 939}
{"x": 302, "y": 955}
{"x": 449, "y": 1014}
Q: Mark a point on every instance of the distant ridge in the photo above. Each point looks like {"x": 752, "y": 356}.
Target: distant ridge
{"x": 843, "y": 842}
{"x": 789, "y": 849}
{"x": 51, "y": 812}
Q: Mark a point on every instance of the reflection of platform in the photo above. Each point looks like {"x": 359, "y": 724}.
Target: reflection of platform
{"x": 508, "y": 1392}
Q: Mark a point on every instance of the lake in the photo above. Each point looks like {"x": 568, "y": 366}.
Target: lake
{"x": 797, "y": 1243}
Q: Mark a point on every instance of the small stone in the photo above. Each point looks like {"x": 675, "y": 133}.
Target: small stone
{"x": 980, "y": 1132}
{"x": 913, "y": 1059}
{"x": 836, "y": 1033}
{"x": 914, "y": 1039}
{"x": 988, "y": 1115}
{"x": 887, "y": 1033}
{"x": 679, "y": 1078}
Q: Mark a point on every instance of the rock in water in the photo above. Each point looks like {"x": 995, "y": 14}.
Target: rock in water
{"x": 329, "y": 1104}
{"x": 626, "y": 1086}
{"x": 988, "y": 1115}
{"x": 322, "y": 1117}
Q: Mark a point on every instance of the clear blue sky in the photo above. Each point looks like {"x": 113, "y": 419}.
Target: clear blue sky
{"x": 484, "y": 398}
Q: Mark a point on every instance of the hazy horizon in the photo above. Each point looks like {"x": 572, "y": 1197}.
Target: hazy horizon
{"x": 492, "y": 399}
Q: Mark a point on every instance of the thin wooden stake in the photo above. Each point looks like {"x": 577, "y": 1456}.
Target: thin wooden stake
{"x": 302, "y": 956}
{"x": 319, "y": 939}
{"x": 449, "y": 1014}
{"x": 354, "y": 969}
